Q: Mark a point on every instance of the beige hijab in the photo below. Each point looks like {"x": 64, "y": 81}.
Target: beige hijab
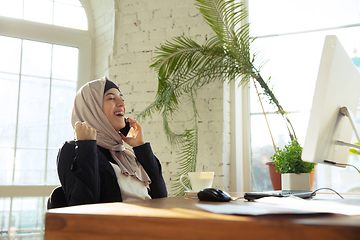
{"x": 88, "y": 107}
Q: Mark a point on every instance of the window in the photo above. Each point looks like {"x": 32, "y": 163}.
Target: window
{"x": 39, "y": 81}
{"x": 41, "y": 66}
{"x": 67, "y": 13}
{"x": 291, "y": 35}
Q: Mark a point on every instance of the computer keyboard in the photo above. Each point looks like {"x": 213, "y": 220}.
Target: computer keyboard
{"x": 279, "y": 193}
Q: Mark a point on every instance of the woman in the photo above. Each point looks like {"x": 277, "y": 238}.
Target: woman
{"x": 96, "y": 167}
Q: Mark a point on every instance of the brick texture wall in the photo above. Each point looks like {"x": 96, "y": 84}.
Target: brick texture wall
{"x": 127, "y": 33}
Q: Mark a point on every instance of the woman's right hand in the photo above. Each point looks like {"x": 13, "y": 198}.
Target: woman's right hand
{"x": 84, "y": 132}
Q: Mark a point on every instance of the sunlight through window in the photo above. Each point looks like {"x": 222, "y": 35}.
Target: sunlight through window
{"x": 65, "y": 13}
{"x": 291, "y": 35}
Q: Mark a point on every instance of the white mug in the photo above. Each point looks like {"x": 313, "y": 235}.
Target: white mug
{"x": 198, "y": 180}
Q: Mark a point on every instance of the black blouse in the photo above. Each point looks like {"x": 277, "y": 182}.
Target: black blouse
{"x": 87, "y": 176}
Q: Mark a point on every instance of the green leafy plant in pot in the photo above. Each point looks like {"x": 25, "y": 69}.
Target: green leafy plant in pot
{"x": 288, "y": 161}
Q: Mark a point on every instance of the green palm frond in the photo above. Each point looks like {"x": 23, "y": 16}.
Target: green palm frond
{"x": 183, "y": 66}
{"x": 188, "y": 153}
{"x": 224, "y": 17}
{"x": 187, "y": 158}
{"x": 189, "y": 65}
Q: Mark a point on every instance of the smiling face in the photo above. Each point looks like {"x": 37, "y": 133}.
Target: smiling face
{"x": 114, "y": 108}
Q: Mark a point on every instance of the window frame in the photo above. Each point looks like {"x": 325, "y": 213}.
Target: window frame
{"x": 240, "y": 145}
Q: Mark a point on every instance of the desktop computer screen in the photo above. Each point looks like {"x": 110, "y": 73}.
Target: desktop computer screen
{"x": 337, "y": 86}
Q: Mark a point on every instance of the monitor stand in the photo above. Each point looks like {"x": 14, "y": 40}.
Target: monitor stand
{"x": 346, "y": 113}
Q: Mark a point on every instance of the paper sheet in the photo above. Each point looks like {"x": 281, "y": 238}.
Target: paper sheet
{"x": 284, "y": 205}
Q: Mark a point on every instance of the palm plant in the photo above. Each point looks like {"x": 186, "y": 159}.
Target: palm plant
{"x": 183, "y": 66}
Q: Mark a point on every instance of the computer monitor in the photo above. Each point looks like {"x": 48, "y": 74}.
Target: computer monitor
{"x": 329, "y": 132}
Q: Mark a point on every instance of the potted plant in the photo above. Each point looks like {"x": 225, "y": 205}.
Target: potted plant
{"x": 295, "y": 173}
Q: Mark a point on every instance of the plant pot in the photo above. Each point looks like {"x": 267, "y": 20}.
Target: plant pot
{"x": 276, "y": 176}
{"x": 293, "y": 181}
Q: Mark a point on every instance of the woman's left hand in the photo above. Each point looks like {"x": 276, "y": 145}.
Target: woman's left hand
{"x": 137, "y": 137}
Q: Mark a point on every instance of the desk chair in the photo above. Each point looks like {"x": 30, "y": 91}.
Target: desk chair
{"x": 57, "y": 199}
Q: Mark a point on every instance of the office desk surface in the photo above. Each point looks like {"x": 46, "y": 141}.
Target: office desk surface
{"x": 179, "y": 218}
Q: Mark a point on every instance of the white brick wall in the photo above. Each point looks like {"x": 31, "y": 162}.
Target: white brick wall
{"x": 103, "y": 14}
{"x": 124, "y": 54}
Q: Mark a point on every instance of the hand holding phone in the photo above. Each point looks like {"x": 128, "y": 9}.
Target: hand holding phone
{"x": 126, "y": 129}
{"x": 134, "y": 134}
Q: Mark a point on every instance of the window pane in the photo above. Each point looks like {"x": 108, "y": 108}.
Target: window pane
{"x": 70, "y": 2}
{"x": 294, "y": 63}
{"x": 8, "y": 94}
{"x": 33, "y": 112}
{"x": 70, "y": 16}
{"x": 283, "y": 16}
{"x": 4, "y": 215}
{"x": 38, "y": 11}
{"x": 26, "y": 220}
{"x": 10, "y": 49}
{"x": 66, "y": 13}
{"x": 29, "y": 167}
{"x": 27, "y": 216}
{"x": 260, "y": 135}
{"x": 7, "y": 164}
{"x": 65, "y": 62}
{"x": 36, "y": 60}
{"x": 11, "y": 8}
{"x": 62, "y": 97}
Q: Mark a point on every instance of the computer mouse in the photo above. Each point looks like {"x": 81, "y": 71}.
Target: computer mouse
{"x": 214, "y": 195}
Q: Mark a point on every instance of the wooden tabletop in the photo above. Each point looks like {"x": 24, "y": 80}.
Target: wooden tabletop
{"x": 180, "y": 218}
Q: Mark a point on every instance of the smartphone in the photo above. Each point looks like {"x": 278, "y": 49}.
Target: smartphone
{"x": 126, "y": 129}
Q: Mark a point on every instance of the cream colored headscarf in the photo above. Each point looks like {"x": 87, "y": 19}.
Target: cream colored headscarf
{"x": 88, "y": 107}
